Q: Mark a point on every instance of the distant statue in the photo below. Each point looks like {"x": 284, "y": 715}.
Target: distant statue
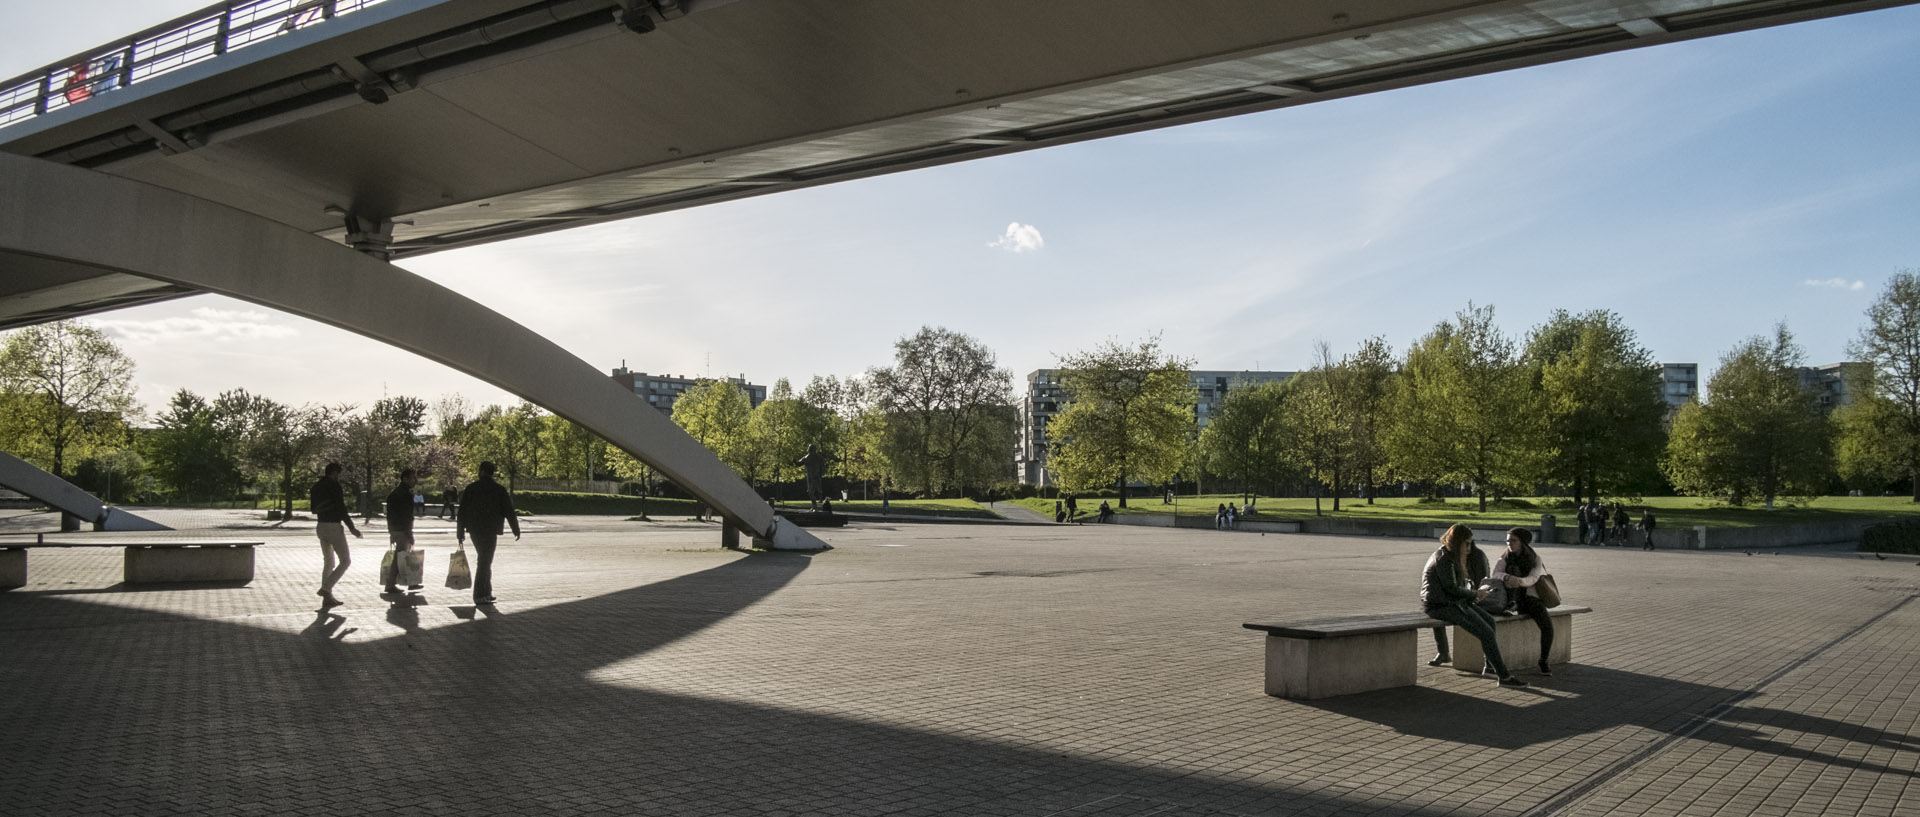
{"x": 816, "y": 465}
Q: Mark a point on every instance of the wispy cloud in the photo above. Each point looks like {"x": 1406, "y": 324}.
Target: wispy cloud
{"x": 204, "y": 323}
{"x": 1838, "y": 283}
{"x": 1019, "y": 238}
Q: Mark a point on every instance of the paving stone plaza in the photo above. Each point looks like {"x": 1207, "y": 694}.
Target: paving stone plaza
{"x": 636, "y": 668}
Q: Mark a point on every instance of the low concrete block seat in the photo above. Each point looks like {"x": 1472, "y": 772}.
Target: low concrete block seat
{"x": 1519, "y": 641}
{"x": 1322, "y": 658}
{"x": 148, "y": 562}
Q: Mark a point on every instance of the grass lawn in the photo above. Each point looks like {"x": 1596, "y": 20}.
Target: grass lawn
{"x": 1671, "y": 511}
{"x": 956, "y": 508}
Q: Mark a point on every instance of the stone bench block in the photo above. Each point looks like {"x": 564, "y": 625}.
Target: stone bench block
{"x": 13, "y": 568}
{"x": 218, "y": 563}
{"x": 1310, "y": 668}
{"x": 1519, "y": 643}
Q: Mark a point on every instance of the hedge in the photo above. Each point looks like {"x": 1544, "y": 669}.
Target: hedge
{"x": 1900, "y": 536}
{"x": 559, "y": 502}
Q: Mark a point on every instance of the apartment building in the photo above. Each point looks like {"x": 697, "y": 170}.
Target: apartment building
{"x": 1045, "y": 398}
{"x": 661, "y": 390}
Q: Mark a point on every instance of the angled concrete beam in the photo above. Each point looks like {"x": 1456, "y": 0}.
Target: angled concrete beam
{"x": 94, "y": 221}
{"x": 67, "y": 498}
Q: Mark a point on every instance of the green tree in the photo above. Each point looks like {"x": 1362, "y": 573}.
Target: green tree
{"x": 378, "y": 442}
{"x": 716, "y": 413}
{"x": 1247, "y": 439}
{"x": 1128, "y": 415}
{"x": 1886, "y": 427}
{"x": 1322, "y": 412}
{"x": 277, "y": 443}
{"x": 783, "y": 426}
{"x": 507, "y": 437}
{"x": 1465, "y": 408}
{"x": 862, "y": 445}
{"x": 1860, "y": 450}
{"x": 1602, "y": 416}
{"x": 1372, "y": 373}
{"x": 1759, "y": 435}
{"x": 573, "y": 452}
{"x": 947, "y": 404}
{"x": 193, "y": 452}
{"x": 70, "y": 392}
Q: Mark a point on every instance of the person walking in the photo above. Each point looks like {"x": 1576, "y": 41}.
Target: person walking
{"x": 1448, "y": 595}
{"x": 484, "y": 505}
{"x": 448, "y": 499}
{"x": 400, "y": 511}
{"x": 1620, "y": 523}
{"x": 329, "y": 505}
{"x": 1520, "y": 568}
{"x": 1646, "y": 527}
{"x": 1584, "y": 519}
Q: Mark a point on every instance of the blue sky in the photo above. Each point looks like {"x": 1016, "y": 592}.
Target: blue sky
{"x": 1704, "y": 190}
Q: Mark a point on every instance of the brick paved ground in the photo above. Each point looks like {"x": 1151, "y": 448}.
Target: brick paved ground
{"x": 917, "y": 669}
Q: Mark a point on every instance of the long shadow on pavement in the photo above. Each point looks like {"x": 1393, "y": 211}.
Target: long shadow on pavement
{"x": 140, "y": 712}
{"x": 1586, "y": 699}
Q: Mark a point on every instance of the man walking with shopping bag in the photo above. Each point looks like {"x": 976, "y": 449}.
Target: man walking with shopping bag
{"x": 407, "y": 563}
{"x": 484, "y": 505}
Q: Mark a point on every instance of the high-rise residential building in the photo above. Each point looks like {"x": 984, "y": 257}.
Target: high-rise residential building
{"x": 661, "y": 390}
{"x": 1044, "y": 399}
{"x": 1679, "y": 382}
{"x": 1829, "y": 383}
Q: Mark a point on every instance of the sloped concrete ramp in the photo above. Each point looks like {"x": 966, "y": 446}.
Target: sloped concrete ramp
{"x": 67, "y": 498}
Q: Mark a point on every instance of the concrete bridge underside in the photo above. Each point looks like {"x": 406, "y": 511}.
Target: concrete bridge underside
{"x": 95, "y": 230}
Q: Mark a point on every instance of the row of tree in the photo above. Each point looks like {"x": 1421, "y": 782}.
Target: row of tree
{"x": 1574, "y": 408}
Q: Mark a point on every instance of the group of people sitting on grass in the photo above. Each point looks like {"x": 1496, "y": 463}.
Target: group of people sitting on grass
{"x": 1460, "y": 589}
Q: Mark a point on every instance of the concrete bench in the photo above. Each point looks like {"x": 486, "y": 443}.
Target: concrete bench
{"x": 148, "y": 562}
{"x": 1341, "y": 656}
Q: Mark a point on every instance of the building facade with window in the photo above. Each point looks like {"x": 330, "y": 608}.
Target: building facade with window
{"x": 1044, "y": 399}
{"x": 661, "y": 390}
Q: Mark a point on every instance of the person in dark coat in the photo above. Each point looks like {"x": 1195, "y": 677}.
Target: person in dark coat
{"x": 484, "y": 505}
{"x": 1477, "y": 571}
{"x": 329, "y": 505}
{"x": 1450, "y": 596}
{"x": 1520, "y": 569}
{"x": 400, "y": 511}
{"x": 1646, "y": 527}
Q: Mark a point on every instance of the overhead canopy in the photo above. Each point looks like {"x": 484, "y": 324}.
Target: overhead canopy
{"x": 457, "y": 123}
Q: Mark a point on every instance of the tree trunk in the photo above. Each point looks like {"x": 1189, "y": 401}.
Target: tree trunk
{"x": 1123, "y": 490}
{"x": 1316, "y": 498}
{"x": 1336, "y": 490}
{"x": 1370, "y": 490}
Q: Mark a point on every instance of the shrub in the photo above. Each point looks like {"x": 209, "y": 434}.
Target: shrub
{"x": 560, "y": 502}
{"x": 1901, "y": 536}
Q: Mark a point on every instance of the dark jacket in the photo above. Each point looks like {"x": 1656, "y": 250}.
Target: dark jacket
{"x": 483, "y": 506}
{"x": 327, "y": 501}
{"x": 400, "y": 509}
{"x": 1442, "y": 584}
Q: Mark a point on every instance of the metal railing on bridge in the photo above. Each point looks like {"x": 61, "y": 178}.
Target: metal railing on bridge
{"x": 172, "y": 45}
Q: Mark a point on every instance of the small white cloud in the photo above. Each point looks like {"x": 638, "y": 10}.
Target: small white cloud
{"x": 1838, "y": 283}
{"x": 1019, "y": 238}
{"x": 204, "y": 323}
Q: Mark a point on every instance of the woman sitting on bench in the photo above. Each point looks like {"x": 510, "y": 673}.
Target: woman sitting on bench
{"x": 1520, "y": 568}
{"x": 1450, "y": 596}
